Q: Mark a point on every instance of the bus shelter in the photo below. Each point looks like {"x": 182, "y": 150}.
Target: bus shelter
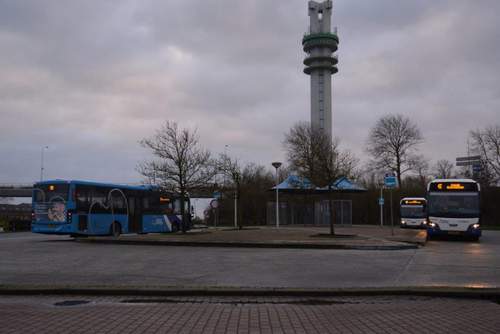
{"x": 302, "y": 203}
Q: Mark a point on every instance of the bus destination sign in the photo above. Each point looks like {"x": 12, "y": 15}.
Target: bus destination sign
{"x": 453, "y": 186}
{"x": 413, "y": 202}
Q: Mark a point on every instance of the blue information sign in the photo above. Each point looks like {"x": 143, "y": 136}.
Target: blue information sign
{"x": 381, "y": 201}
{"x": 390, "y": 181}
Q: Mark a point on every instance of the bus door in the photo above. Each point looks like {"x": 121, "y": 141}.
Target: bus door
{"x": 134, "y": 218}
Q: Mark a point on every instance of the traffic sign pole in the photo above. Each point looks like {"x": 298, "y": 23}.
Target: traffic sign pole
{"x": 391, "y": 182}
{"x": 381, "y": 204}
{"x": 392, "y": 216}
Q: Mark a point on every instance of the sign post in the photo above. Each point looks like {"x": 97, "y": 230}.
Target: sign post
{"x": 381, "y": 204}
{"x": 391, "y": 182}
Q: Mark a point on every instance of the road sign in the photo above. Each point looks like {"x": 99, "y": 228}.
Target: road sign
{"x": 477, "y": 168}
{"x": 381, "y": 201}
{"x": 468, "y": 161}
{"x": 390, "y": 181}
{"x": 217, "y": 194}
{"x": 473, "y": 157}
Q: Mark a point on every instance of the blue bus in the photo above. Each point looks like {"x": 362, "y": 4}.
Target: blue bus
{"x": 81, "y": 208}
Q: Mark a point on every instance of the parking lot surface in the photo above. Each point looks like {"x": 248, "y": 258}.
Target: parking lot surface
{"x": 30, "y": 259}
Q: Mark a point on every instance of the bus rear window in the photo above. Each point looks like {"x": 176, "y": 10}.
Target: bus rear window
{"x": 51, "y": 193}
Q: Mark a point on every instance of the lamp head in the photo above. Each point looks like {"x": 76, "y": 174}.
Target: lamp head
{"x": 276, "y": 164}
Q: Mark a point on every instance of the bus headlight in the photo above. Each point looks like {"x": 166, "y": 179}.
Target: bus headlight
{"x": 431, "y": 224}
{"x": 475, "y": 226}
{"x": 424, "y": 222}
{"x": 403, "y": 222}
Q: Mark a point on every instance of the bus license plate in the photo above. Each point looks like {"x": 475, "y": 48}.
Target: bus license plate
{"x": 453, "y": 232}
{"x": 51, "y": 225}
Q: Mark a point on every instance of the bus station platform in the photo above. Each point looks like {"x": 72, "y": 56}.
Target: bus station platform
{"x": 361, "y": 237}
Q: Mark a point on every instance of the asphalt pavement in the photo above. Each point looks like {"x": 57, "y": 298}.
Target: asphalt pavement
{"x": 31, "y": 259}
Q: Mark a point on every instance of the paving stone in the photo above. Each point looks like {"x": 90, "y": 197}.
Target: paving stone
{"x": 39, "y": 314}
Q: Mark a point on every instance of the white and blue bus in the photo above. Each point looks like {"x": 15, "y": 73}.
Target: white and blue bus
{"x": 412, "y": 211}
{"x": 453, "y": 208}
{"x": 92, "y": 208}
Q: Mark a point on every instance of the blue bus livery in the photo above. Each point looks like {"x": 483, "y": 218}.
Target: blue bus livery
{"x": 92, "y": 208}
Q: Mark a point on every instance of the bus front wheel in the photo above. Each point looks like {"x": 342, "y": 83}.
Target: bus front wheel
{"x": 115, "y": 230}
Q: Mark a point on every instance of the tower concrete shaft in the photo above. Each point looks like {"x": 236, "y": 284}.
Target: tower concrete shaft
{"x": 320, "y": 43}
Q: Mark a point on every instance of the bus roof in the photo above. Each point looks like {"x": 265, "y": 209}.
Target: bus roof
{"x": 101, "y": 184}
{"x": 452, "y": 180}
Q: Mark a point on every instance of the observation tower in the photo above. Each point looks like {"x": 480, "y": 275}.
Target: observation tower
{"x": 320, "y": 43}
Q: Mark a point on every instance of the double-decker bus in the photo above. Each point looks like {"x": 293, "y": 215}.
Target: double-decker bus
{"x": 453, "y": 208}
{"x": 92, "y": 208}
{"x": 413, "y": 212}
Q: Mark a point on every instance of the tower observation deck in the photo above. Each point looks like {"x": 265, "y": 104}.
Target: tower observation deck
{"x": 320, "y": 44}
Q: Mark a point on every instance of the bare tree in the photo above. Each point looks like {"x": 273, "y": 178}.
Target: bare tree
{"x": 312, "y": 154}
{"x": 487, "y": 143}
{"x": 255, "y": 182}
{"x": 179, "y": 163}
{"x": 420, "y": 165}
{"x": 443, "y": 169}
{"x": 392, "y": 143}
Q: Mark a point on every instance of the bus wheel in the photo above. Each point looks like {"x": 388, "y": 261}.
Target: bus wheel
{"x": 115, "y": 230}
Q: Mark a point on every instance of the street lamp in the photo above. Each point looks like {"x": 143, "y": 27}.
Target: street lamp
{"x": 41, "y": 165}
{"x": 277, "y": 165}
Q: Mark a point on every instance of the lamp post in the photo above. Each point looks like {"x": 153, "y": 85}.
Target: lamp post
{"x": 41, "y": 165}
{"x": 277, "y": 165}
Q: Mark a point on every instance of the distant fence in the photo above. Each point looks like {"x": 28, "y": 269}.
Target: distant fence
{"x": 15, "y": 217}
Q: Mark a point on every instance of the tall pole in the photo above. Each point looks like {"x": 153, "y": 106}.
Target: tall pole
{"x": 235, "y": 209}
{"x": 41, "y": 164}
{"x": 381, "y": 204}
{"x": 277, "y": 166}
{"x": 392, "y": 217}
{"x": 277, "y": 202}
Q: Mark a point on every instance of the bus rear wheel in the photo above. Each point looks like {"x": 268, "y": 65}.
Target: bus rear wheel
{"x": 115, "y": 230}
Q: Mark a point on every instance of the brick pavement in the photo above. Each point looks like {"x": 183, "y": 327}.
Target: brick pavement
{"x": 39, "y": 314}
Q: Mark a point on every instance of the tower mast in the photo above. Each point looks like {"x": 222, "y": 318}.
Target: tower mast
{"x": 320, "y": 43}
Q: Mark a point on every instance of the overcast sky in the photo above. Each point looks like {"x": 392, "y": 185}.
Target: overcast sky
{"x": 91, "y": 78}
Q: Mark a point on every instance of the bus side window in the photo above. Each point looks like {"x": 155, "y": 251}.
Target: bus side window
{"x": 99, "y": 198}
{"x": 145, "y": 203}
{"x": 82, "y": 198}
{"x": 118, "y": 202}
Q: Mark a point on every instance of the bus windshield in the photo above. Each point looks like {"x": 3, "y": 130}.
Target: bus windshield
{"x": 454, "y": 205}
{"x": 51, "y": 193}
{"x": 413, "y": 211}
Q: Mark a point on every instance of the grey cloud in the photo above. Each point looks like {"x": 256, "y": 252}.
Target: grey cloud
{"x": 91, "y": 78}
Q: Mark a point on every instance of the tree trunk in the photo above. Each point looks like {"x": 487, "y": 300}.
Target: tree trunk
{"x": 398, "y": 169}
{"x": 183, "y": 213}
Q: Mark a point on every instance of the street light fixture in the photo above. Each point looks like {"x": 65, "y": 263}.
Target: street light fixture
{"x": 41, "y": 165}
{"x": 277, "y": 165}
